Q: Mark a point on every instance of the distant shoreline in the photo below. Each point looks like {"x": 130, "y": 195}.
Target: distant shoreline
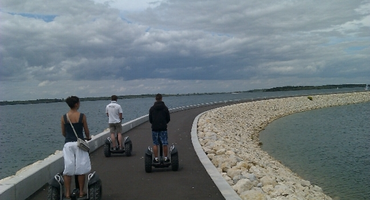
{"x": 274, "y": 89}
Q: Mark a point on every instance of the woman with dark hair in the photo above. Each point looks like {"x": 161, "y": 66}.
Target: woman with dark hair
{"x": 76, "y": 161}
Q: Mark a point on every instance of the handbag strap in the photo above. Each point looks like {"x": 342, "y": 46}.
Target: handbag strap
{"x": 72, "y": 126}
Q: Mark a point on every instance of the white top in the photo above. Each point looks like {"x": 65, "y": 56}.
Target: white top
{"x": 113, "y": 110}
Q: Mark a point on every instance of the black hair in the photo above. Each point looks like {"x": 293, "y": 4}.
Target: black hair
{"x": 72, "y": 100}
{"x": 158, "y": 97}
{"x": 114, "y": 98}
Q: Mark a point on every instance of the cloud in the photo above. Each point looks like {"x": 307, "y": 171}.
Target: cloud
{"x": 178, "y": 46}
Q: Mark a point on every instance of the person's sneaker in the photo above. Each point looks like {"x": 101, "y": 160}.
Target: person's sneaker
{"x": 113, "y": 148}
{"x": 167, "y": 160}
{"x": 156, "y": 160}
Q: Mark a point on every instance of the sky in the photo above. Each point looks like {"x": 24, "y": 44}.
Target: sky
{"x": 55, "y": 49}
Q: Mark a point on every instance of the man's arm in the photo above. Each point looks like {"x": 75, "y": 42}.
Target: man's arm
{"x": 106, "y": 111}
{"x": 150, "y": 115}
{"x": 168, "y": 116}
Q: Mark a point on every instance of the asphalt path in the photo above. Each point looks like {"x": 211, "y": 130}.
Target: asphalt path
{"x": 125, "y": 177}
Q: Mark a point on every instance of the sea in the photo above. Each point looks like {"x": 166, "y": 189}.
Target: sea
{"x": 330, "y": 147}
{"x": 32, "y": 132}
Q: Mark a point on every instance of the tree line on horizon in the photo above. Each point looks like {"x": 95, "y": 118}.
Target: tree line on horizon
{"x": 274, "y": 89}
{"x": 292, "y": 88}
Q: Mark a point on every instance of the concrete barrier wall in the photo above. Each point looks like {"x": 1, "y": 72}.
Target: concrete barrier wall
{"x": 33, "y": 177}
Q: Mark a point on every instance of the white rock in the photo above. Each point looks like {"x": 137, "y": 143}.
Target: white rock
{"x": 251, "y": 177}
{"x": 243, "y": 185}
{"x": 234, "y": 172}
{"x": 305, "y": 183}
{"x": 266, "y": 180}
{"x": 255, "y": 194}
{"x": 281, "y": 190}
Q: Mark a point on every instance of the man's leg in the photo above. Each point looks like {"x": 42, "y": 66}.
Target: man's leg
{"x": 120, "y": 140}
{"x": 119, "y": 135}
{"x": 164, "y": 139}
{"x": 155, "y": 151}
{"x": 112, "y": 130}
{"x": 113, "y": 138}
{"x": 165, "y": 150}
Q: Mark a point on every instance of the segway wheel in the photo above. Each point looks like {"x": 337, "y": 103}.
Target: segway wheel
{"x": 148, "y": 163}
{"x": 128, "y": 149}
{"x": 95, "y": 191}
{"x": 107, "y": 150}
{"x": 53, "y": 193}
{"x": 175, "y": 162}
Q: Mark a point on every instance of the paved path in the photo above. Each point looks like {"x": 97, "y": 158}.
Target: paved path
{"x": 125, "y": 177}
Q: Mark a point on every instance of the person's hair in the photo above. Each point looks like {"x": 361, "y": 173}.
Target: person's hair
{"x": 158, "y": 97}
{"x": 114, "y": 98}
{"x": 72, "y": 100}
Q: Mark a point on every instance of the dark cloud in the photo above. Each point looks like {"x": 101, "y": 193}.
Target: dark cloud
{"x": 263, "y": 43}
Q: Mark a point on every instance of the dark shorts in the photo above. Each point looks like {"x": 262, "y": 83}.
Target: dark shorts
{"x": 162, "y": 135}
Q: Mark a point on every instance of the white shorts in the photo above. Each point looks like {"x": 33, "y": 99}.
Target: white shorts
{"x": 76, "y": 161}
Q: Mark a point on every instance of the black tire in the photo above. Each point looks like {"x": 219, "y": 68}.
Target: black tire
{"x": 148, "y": 163}
{"x": 95, "y": 191}
{"x": 53, "y": 193}
{"x": 107, "y": 150}
{"x": 128, "y": 149}
{"x": 175, "y": 161}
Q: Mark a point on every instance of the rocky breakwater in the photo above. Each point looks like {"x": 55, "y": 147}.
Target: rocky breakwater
{"x": 229, "y": 137}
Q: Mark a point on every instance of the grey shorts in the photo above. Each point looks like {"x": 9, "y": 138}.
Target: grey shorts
{"x": 115, "y": 128}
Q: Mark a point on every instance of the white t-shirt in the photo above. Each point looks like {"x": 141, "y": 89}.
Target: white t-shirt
{"x": 113, "y": 110}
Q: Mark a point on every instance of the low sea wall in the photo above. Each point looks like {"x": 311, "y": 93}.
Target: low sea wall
{"x": 229, "y": 137}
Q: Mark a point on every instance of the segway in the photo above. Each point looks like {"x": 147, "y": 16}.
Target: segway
{"x": 56, "y": 188}
{"x": 126, "y": 150}
{"x": 149, "y": 158}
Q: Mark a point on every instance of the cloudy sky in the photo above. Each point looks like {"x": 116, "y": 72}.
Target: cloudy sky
{"x": 54, "y": 49}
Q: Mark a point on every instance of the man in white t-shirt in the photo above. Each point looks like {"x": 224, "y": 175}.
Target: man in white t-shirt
{"x": 114, "y": 113}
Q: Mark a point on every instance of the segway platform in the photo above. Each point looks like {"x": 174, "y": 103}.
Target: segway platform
{"x": 127, "y": 143}
{"x": 56, "y": 188}
{"x": 149, "y": 159}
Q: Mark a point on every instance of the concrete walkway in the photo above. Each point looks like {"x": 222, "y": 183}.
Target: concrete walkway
{"x": 125, "y": 177}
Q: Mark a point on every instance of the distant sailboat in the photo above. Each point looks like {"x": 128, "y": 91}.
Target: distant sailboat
{"x": 367, "y": 87}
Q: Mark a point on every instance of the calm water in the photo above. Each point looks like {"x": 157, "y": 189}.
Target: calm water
{"x": 330, "y": 147}
{"x": 31, "y": 132}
